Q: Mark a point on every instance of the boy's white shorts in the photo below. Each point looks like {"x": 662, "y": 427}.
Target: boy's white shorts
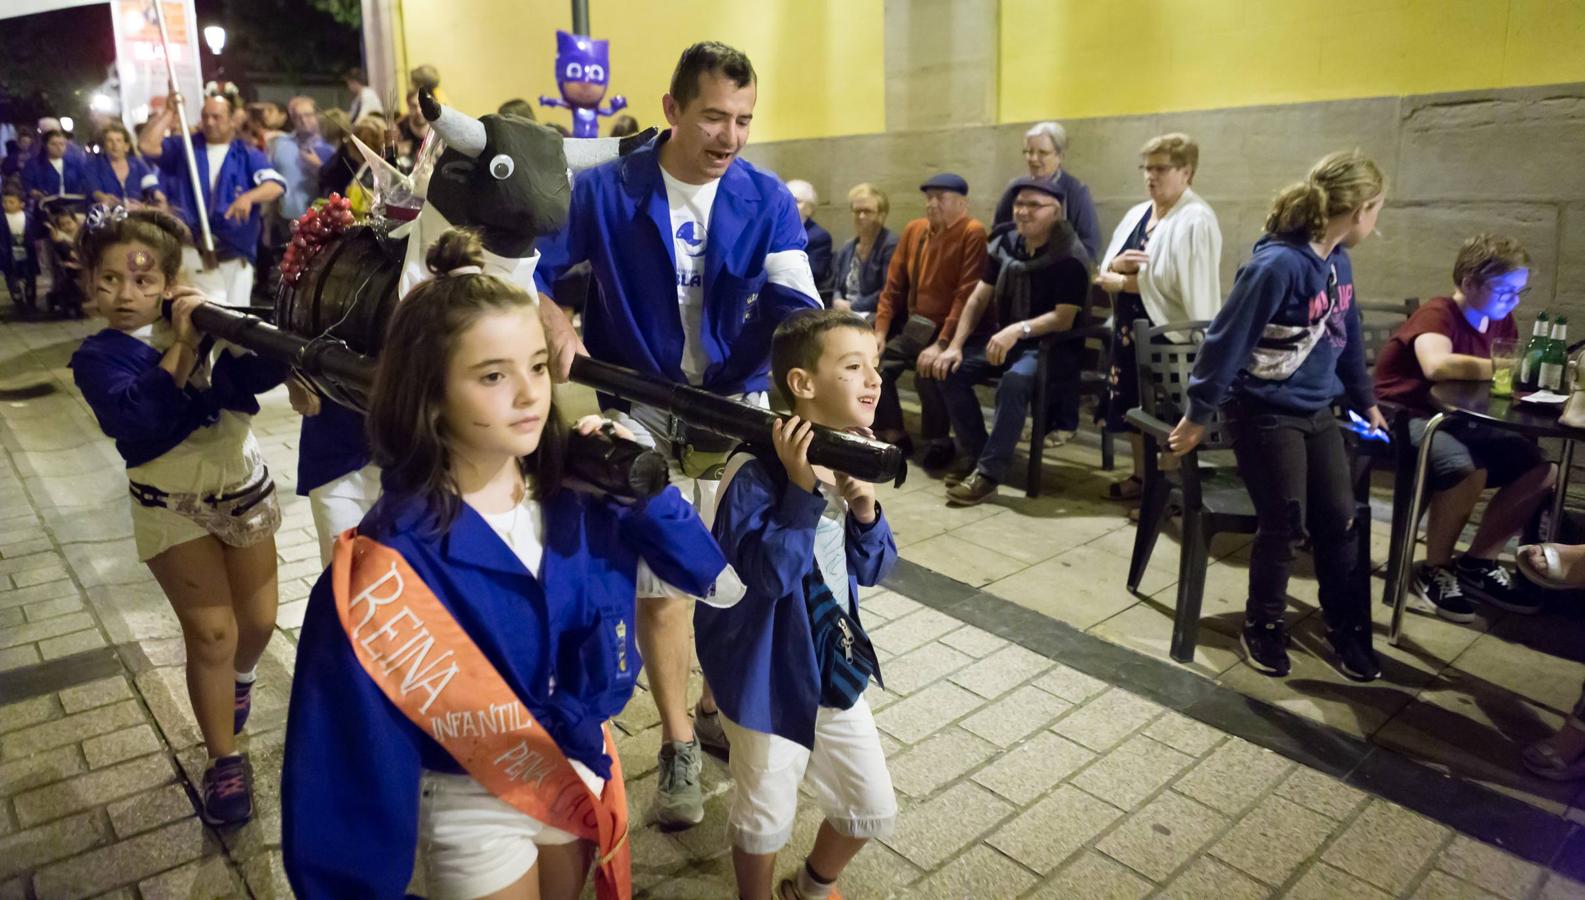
{"x": 473, "y": 842}
{"x": 846, "y": 771}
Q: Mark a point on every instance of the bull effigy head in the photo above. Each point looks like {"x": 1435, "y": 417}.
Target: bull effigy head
{"x": 502, "y": 174}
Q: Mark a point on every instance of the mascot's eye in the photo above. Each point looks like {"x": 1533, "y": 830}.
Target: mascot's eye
{"x": 501, "y": 167}
{"x": 595, "y": 72}
{"x": 573, "y": 72}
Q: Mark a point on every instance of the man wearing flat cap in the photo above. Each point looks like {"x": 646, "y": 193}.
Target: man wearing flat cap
{"x": 938, "y": 262}
{"x": 1035, "y": 282}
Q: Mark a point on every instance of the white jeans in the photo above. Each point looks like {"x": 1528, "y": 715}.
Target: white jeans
{"x": 341, "y": 504}
{"x": 230, "y": 284}
{"x": 847, "y": 774}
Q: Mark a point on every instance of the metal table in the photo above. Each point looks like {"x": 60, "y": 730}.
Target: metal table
{"x": 1472, "y": 400}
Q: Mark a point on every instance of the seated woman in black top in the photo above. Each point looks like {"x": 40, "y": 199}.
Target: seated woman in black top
{"x": 858, "y": 271}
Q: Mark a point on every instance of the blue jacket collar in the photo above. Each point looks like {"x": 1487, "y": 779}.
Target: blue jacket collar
{"x": 470, "y": 541}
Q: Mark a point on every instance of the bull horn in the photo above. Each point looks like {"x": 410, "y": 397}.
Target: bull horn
{"x": 462, "y": 132}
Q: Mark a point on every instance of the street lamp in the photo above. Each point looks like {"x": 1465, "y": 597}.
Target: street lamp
{"x": 215, "y": 37}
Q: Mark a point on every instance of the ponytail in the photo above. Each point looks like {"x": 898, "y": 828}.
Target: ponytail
{"x": 1340, "y": 184}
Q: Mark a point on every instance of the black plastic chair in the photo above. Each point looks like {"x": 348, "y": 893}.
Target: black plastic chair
{"x": 1094, "y": 339}
{"x": 1212, "y": 500}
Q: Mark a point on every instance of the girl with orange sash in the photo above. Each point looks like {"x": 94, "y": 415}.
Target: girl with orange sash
{"x": 460, "y": 658}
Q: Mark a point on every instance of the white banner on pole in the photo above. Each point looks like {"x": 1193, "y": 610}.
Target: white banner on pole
{"x": 140, "y": 58}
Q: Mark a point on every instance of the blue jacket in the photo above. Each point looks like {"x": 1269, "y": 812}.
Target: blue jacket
{"x": 244, "y": 169}
{"x": 349, "y": 791}
{"x": 621, "y": 223}
{"x": 101, "y": 177}
{"x": 138, "y": 404}
{"x": 819, "y": 249}
{"x": 872, "y": 274}
{"x": 759, "y": 655}
{"x": 32, "y": 232}
{"x": 330, "y": 445}
{"x": 1284, "y": 284}
{"x": 40, "y": 176}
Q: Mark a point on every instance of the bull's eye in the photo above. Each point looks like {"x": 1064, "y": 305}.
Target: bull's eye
{"x": 501, "y": 167}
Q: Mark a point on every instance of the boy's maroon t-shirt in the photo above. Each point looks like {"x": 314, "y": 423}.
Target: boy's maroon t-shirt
{"x": 1399, "y": 378}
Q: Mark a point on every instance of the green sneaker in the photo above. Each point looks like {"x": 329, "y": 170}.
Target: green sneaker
{"x": 679, "y": 804}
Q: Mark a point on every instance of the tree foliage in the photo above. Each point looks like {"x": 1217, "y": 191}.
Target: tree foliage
{"x": 297, "y": 39}
{"x": 347, "y": 12}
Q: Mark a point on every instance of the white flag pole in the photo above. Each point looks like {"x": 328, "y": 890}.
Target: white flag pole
{"x": 207, "y": 250}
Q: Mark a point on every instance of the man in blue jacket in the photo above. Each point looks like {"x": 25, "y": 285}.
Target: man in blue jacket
{"x": 239, "y": 181}
{"x": 699, "y": 256}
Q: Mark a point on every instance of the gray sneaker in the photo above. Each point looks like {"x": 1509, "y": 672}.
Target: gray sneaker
{"x": 708, "y": 732}
{"x": 679, "y": 803}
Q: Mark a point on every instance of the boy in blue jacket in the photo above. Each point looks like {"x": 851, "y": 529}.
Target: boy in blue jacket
{"x": 802, "y": 539}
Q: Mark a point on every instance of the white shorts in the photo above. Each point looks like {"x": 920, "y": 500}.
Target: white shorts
{"x": 341, "y": 504}
{"x": 229, "y": 284}
{"x": 474, "y": 843}
{"x": 648, "y": 427}
{"x": 847, "y": 773}
{"x": 201, "y": 489}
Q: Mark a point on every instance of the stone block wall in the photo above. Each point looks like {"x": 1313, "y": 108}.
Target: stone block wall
{"x": 1509, "y": 160}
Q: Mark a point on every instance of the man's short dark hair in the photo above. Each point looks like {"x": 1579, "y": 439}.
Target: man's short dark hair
{"x": 355, "y": 74}
{"x": 517, "y": 106}
{"x": 801, "y": 338}
{"x": 713, "y": 57}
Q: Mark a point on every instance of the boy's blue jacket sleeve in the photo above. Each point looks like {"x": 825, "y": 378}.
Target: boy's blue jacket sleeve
{"x": 667, "y": 533}
{"x": 871, "y": 550}
{"x": 770, "y": 534}
{"x": 348, "y": 750}
{"x": 1258, "y": 292}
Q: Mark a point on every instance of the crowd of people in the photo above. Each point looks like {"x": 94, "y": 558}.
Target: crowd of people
{"x": 482, "y": 617}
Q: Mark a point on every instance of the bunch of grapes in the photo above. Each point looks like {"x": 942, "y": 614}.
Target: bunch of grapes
{"x": 311, "y": 232}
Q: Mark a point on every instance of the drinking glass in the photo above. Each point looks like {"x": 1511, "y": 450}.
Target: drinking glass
{"x": 1504, "y": 355}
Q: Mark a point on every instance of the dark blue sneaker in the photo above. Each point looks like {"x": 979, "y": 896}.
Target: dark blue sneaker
{"x": 1266, "y": 647}
{"x": 1355, "y": 658}
{"x": 242, "y": 705}
{"x": 228, "y": 791}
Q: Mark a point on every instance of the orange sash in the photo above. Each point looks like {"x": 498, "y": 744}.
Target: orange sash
{"x": 423, "y": 661}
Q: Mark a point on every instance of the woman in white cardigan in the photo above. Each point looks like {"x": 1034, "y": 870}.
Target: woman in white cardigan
{"x": 1163, "y": 265}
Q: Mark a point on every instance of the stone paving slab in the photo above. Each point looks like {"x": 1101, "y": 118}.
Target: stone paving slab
{"x": 1017, "y": 775}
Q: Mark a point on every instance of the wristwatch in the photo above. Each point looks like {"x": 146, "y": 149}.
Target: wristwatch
{"x": 1026, "y": 329}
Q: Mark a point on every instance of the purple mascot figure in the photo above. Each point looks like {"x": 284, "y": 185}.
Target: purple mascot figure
{"x": 583, "y": 71}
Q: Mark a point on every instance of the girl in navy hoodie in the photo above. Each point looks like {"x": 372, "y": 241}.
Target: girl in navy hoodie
{"x": 1284, "y": 347}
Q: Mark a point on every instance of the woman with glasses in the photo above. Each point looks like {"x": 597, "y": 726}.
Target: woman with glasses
{"x": 1045, "y": 146}
{"x": 1163, "y": 265}
{"x": 1450, "y": 339}
{"x": 859, "y": 270}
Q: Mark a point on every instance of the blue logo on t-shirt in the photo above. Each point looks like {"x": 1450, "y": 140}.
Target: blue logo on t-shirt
{"x": 692, "y": 236}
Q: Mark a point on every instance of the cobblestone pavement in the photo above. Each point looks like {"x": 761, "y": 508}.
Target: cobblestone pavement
{"x": 1017, "y": 776}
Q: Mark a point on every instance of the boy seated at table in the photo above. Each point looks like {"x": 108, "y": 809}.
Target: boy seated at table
{"x": 1450, "y": 339}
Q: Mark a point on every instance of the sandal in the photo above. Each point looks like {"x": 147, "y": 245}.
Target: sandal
{"x": 1129, "y": 488}
{"x": 1551, "y": 576}
{"x": 1542, "y": 759}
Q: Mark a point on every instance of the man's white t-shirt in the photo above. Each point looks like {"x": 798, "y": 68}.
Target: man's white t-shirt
{"x": 690, "y": 228}
{"x": 217, "y": 158}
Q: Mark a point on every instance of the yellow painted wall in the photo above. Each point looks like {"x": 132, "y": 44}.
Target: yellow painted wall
{"x": 1083, "y": 58}
{"x": 820, "y": 64}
